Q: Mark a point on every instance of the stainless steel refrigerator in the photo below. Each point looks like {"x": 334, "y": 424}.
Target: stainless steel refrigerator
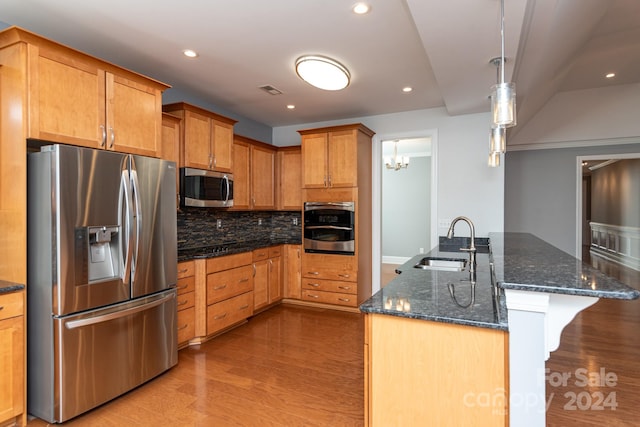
{"x": 102, "y": 261}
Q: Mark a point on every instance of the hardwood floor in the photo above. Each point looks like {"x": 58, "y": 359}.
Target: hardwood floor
{"x": 288, "y": 366}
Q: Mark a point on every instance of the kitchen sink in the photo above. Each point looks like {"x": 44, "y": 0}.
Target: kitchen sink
{"x": 442, "y": 264}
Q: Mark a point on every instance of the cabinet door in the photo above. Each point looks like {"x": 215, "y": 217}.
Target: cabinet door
{"x": 289, "y": 189}
{"x": 134, "y": 117}
{"x": 197, "y": 141}
{"x": 343, "y": 162}
{"x": 171, "y": 144}
{"x": 292, "y": 271}
{"x": 263, "y": 178}
{"x": 67, "y": 100}
{"x": 241, "y": 174}
{"x": 11, "y": 368}
{"x": 261, "y": 284}
{"x": 275, "y": 279}
{"x": 314, "y": 160}
{"x": 222, "y": 141}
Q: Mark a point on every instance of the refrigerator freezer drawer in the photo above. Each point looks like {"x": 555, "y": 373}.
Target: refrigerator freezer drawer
{"x": 104, "y": 353}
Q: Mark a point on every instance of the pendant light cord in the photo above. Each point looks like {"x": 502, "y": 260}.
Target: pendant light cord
{"x": 502, "y": 41}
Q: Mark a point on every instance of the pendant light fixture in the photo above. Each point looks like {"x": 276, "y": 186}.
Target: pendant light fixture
{"x": 503, "y": 95}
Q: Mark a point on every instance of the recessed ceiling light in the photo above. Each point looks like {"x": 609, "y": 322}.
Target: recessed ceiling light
{"x": 190, "y": 53}
{"x": 291, "y": 106}
{"x": 610, "y": 75}
{"x": 361, "y": 8}
{"x": 322, "y": 72}
{"x": 407, "y": 89}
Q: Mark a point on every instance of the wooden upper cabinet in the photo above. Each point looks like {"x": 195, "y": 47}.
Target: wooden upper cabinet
{"x": 289, "y": 185}
{"x": 171, "y": 144}
{"x": 206, "y": 138}
{"x": 263, "y": 166}
{"x": 330, "y": 156}
{"x": 74, "y": 98}
{"x": 254, "y": 165}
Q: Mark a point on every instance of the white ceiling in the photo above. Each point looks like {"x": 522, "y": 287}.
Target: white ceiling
{"x": 440, "y": 48}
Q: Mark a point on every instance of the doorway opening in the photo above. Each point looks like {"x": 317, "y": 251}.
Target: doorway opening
{"x": 404, "y": 200}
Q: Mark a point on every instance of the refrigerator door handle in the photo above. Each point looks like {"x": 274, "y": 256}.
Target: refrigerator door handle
{"x": 136, "y": 216}
{"x": 73, "y": 324}
{"x": 125, "y": 193}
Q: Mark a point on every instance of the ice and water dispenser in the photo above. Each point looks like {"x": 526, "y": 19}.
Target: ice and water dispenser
{"x": 98, "y": 254}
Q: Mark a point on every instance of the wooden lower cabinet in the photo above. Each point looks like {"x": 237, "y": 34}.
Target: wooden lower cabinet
{"x": 330, "y": 279}
{"x": 12, "y": 359}
{"x": 291, "y": 271}
{"x": 228, "y": 312}
{"x": 186, "y": 302}
{"x": 267, "y": 266}
{"x": 419, "y": 372}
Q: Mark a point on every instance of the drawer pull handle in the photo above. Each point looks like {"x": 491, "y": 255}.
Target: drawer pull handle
{"x": 315, "y": 285}
{"x": 344, "y": 299}
{"x": 222, "y": 316}
{"x": 346, "y": 288}
{"x": 182, "y": 287}
{"x": 243, "y": 280}
{"x": 244, "y": 306}
{"x": 181, "y": 303}
{"x": 313, "y": 296}
{"x": 183, "y": 271}
{"x": 1, "y": 307}
{"x": 217, "y": 288}
{"x": 346, "y": 276}
{"x": 183, "y": 327}
{"x": 315, "y": 273}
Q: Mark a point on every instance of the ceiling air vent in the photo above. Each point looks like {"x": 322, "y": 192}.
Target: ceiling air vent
{"x": 271, "y": 90}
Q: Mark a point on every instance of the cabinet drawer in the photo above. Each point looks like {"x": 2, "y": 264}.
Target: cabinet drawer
{"x": 186, "y": 324}
{"x": 184, "y": 301}
{"x": 275, "y": 251}
{"x": 186, "y": 284}
{"x": 348, "y": 300}
{"x": 260, "y": 254}
{"x": 327, "y": 274}
{"x": 11, "y": 305}
{"x": 229, "y": 283}
{"x": 330, "y": 286}
{"x": 228, "y": 312}
{"x": 228, "y": 261}
{"x": 186, "y": 269}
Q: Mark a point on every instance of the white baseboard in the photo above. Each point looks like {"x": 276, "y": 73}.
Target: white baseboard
{"x": 394, "y": 259}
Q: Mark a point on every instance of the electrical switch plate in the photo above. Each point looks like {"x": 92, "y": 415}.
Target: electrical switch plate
{"x": 295, "y": 221}
{"x": 219, "y": 224}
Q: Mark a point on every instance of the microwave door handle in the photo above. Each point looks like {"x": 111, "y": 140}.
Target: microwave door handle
{"x": 325, "y": 227}
{"x": 226, "y": 181}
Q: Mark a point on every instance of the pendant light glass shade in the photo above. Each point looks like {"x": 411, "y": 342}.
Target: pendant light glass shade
{"x": 494, "y": 160}
{"x": 503, "y": 104}
{"x": 498, "y": 140}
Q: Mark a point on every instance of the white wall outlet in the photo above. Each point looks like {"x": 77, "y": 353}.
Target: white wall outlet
{"x": 295, "y": 221}
{"x": 259, "y": 221}
{"x": 444, "y": 223}
{"x": 219, "y": 224}
{"x": 421, "y": 250}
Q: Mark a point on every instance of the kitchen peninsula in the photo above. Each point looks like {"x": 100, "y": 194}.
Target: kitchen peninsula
{"x": 455, "y": 349}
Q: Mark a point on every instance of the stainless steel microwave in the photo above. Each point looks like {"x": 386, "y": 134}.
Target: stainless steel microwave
{"x": 205, "y": 189}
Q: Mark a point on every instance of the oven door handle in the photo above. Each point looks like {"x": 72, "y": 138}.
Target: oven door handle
{"x": 327, "y": 227}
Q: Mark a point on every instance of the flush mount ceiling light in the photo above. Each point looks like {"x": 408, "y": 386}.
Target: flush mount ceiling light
{"x": 322, "y": 72}
{"x": 361, "y": 8}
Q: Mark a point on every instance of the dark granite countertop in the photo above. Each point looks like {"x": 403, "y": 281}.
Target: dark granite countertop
{"x": 525, "y": 262}
{"x": 522, "y": 261}
{"x": 8, "y": 287}
{"x": 187, "y": 253}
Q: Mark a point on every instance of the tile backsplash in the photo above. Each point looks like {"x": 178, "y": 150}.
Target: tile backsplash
{"x": 199, "y": 227}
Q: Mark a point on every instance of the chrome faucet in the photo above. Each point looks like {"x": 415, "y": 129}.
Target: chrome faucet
{"x": 472, "y": 246}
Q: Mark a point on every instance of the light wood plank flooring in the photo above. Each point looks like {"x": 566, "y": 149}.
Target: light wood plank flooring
{"x": 295, "y": 366}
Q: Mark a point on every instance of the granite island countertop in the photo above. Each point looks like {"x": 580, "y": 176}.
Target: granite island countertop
{"x": 522, "y": 261}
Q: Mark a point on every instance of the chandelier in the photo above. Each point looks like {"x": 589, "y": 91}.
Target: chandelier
{"x": 397, "y": 162}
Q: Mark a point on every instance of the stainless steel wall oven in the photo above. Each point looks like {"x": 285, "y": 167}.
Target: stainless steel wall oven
{"x": 329, "y": 227}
